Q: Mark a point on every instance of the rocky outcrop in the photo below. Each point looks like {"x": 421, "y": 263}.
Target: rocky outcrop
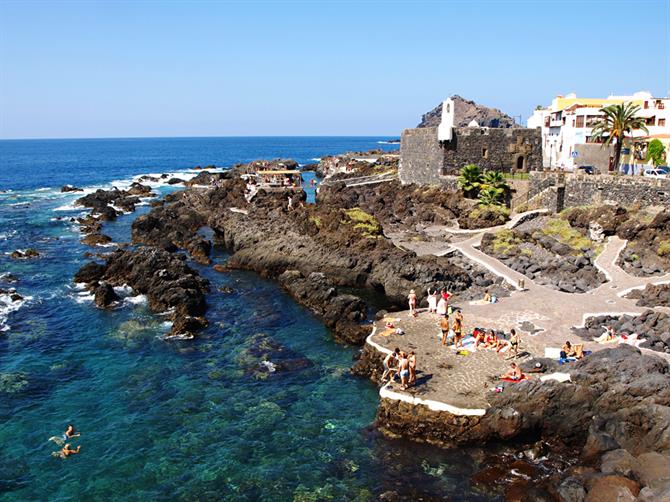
{"x": 342, "y": 313}
{"x": 545, "y": 260}
{"x": 101, "y": 201}
{"x": 262, "y": 358}
{"x": 465, "y": 112}
{"x": 652, "y": 295}
{"x": 167, "y": 281}
{"x": 616, "y": 422}
{"x": 96, "y": 239}
{"x": 395, "y": 205}
{"x": 24, "y": 254}
{"x": 653, "y": 327}
{"x": 70, "y": 188}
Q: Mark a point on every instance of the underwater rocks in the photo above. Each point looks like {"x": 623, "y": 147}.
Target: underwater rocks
{"x": 342, "y": 313}
{"x": 167, "y": 281}
{"x": 13, "y": 383}
{"x": 261, "y": 357}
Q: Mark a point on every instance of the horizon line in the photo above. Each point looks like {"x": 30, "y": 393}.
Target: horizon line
{"x": 203, "y": 137}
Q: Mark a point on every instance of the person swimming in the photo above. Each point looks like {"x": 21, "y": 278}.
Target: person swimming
{"x": 67, "y": 435}
{"x": 66, "y": 451}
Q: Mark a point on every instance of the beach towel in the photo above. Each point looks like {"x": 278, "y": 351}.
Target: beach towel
{"x": 479, "y": 302}
{"x": 559, "y": 377}
{"x": 552, "y": 352}
{"x": 511, "y": 380}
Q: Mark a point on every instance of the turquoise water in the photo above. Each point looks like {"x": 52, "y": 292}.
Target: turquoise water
{"x": 196, "y": 420}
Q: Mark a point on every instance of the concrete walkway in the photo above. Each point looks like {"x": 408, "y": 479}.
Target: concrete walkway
{"x": 542, "y": 315}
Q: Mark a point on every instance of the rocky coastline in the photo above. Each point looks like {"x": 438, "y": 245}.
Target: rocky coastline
{"x": 321, "y": 253}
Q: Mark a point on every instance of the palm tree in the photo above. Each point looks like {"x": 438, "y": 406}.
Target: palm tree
{"x": 616, "y": 123}
{"x": 491, "y": 196}
{"x": 494, "y": 179}
{"x": 470, "y": 179}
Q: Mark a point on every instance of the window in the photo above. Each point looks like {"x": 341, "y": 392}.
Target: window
{"x": 485, "y": 153}
{"x": 646, "y": 105}
{"x": 580, "y": 121}
{"x": 660, "y": 105}
{"x": 661, "y": 122}
{"x": 563, "y": 120}
{"x": 650, "y": 121}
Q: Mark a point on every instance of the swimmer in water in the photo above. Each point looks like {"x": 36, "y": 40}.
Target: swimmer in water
{"x": 66, "y": 451}
{"x": 68, "y": 434}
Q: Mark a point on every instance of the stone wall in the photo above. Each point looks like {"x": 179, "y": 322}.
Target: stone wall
{"x": 425, "y": 161}
{"x": 560, "y": 191}
{"x": 421, "y": 158}
{"x": 493, "y": 149}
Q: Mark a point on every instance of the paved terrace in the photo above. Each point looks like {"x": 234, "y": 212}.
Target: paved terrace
{"x": 544, "y": 317}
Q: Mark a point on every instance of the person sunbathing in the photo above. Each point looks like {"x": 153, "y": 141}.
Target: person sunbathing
{"x": 479, "y": 337}
{"x": 576, "y": 351}
{"x": 514, "y": 373}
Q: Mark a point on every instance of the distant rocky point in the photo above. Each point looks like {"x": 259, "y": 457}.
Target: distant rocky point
{"x": 466, "y": 112}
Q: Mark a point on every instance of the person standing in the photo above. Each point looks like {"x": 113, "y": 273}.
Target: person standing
{"x": 390, "y": 366}
{"x": 403, "y": 368}
{"x": 441, "y": 307}
{"x": 412, "y": 302}
{"x": 412, "y": 368}
{"x": 458, "y": 331}
{"x": 432, "y": 301}
{"x": 444, "y": 327}
{"x": 515, "y": 342}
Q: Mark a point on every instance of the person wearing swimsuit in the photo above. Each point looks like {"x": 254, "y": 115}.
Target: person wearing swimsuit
{"x": 412, "y": 368}
{"x": 458, "y": 332}
{"x": 390, "y": 366}
{"x": 412, "y": 303}
{"x": 432, "y": 301}
{"x": 514, "y": 341}
{"x": 403, "y": 368}
{"x": 444, "y": 327}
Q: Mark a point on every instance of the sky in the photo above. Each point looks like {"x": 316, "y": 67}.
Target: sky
{"x": 82, "y": 69}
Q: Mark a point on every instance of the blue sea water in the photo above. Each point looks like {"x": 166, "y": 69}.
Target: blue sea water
{"x": 186, "y": 420}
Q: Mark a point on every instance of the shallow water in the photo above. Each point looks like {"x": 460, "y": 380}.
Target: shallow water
{"x": 183, "y": 420}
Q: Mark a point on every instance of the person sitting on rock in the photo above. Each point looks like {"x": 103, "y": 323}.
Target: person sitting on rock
{"x": 514, "y": 373}
{"x": 412, "y": 368}
{"x": 390, "y": 366}
{"x": 576, "y": 351}
{"x": 412, "y": 302}
{"x": 487, "y": 296}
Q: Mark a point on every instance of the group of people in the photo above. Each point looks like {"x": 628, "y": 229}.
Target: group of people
{"x": 62, "y": 441}
{"x": 402, "y": 364}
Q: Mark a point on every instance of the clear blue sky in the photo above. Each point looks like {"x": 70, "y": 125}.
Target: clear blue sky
{"x": 114, "y": 68}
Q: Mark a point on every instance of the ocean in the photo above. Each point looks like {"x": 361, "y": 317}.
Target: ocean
{"x": 179, "y": 420}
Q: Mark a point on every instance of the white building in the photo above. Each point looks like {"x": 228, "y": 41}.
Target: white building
{"x": 568, "y": 122}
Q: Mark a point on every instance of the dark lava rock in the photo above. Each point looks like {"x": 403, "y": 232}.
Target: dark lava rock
{"x": 96, "y": 239}
{"x": 342, "y": 313}
{"x": 70, "y": 188}
{"x": 105, "y": 295}
{"x": 466, "y": 111}
{"x": 652, "y": 296}
{"x": 169, "y": 283}
{"x": 175, "y": 181}
{"x": 24, "y": 255}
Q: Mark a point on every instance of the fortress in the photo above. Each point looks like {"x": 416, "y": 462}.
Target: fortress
{"x": 431, "y": 154}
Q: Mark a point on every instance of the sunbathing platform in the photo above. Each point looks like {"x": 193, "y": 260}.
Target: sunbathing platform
{"x": 544, "y": 317}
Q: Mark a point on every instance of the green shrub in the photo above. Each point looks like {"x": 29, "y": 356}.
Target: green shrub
{"x": 663, "y": 248}
{"x": 366, "y": 223}
{"x": 505, "y": 242}
{"x": 561, "y": 230}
